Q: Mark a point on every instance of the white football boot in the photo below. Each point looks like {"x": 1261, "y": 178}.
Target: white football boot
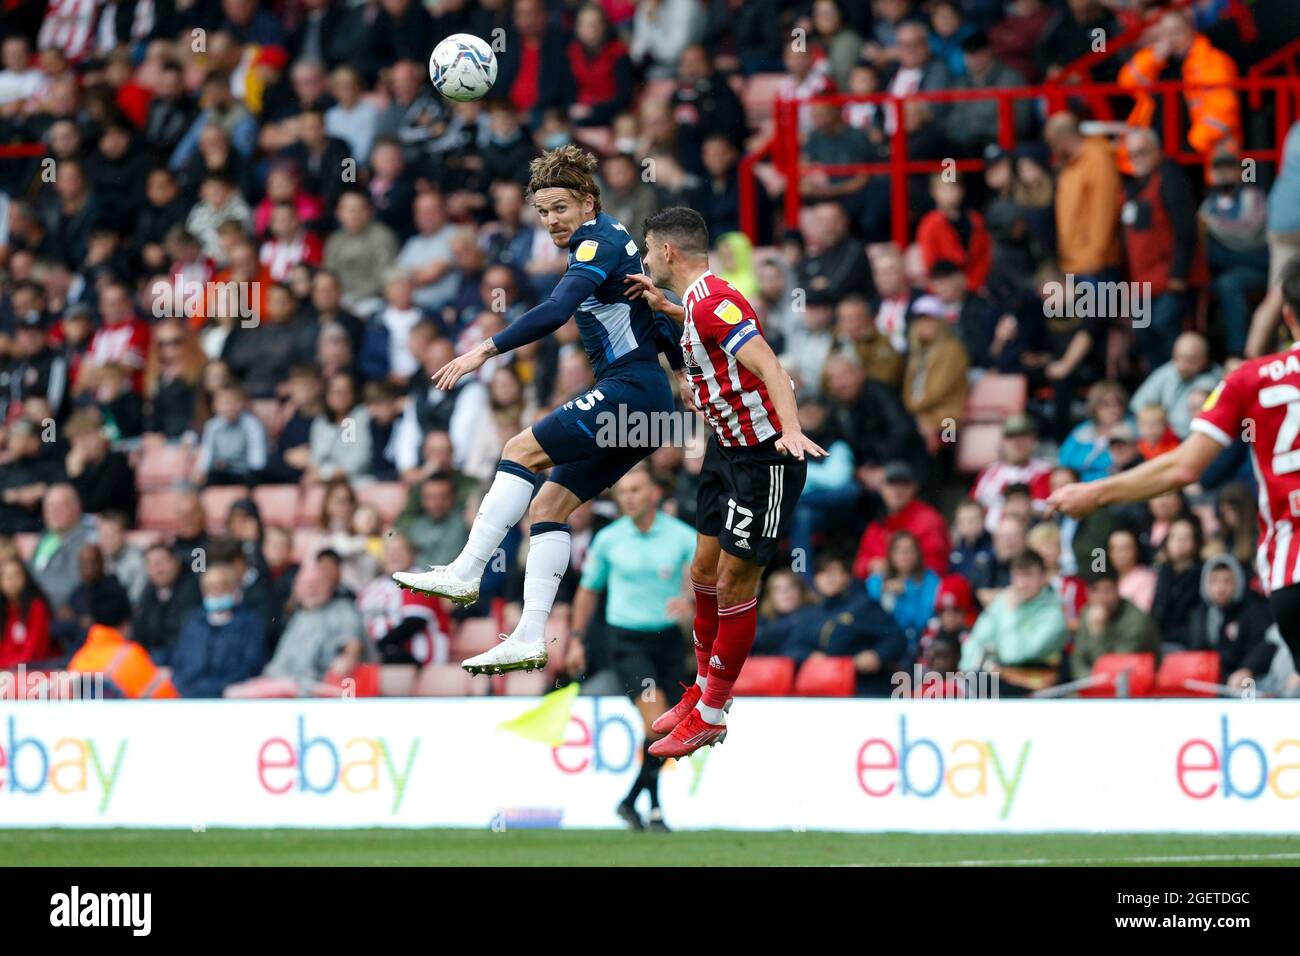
{"x": 512, "y": 654}
{"x": 439, "y": 580}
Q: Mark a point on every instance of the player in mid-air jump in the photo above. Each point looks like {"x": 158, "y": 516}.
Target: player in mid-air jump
{"x": 622, "y": 339}
{"x": 1259, "y": 402}
{"x": 753, "y": 471}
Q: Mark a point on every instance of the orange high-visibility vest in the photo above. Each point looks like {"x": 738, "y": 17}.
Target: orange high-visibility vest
{"x": 124, "y": 664}
{"x": 1213, "y": 108}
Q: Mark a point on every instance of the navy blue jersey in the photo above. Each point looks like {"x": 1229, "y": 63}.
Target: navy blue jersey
{"x": 614, "y": 329}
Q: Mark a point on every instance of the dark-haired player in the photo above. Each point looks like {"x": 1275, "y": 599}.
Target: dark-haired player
{"x": 753, "y": 472}
{"x": 1258, "y": 402}
{"x": 623, "y": 339}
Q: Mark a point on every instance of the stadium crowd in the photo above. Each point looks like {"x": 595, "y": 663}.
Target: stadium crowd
{"x": 239, "y": 482}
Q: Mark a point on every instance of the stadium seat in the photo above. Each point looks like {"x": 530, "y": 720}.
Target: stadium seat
{"x": 557, "y": 640}
{"x": 216, "y": 505}
{"x": 1141, "y": 670}
{"x": 474, "y": 636}
{"x": 448, "y": 680}
{"x": 156, "y": 510}
{"x": 386, "y": 497}
{"x": 527, "y": 684}
{"x": 993, "y": 398}
{"x": 397, "y": 680}
{"x": 765, "y": 677}
{"x": 1182, "y": 666}
{"x": 278, "y": 504}
{"x": 310, "y": 502}
{"x": 824, "y": 676}
{"x": 977, "y": 446}
{"x": 163, "y": 466}
{"x": 365, "y": 682}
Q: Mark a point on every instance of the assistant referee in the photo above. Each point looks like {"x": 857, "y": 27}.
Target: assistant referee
{"x": 641, "y": 562}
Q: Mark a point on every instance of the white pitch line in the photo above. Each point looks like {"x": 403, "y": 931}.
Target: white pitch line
{"x": 1088, "y": 861}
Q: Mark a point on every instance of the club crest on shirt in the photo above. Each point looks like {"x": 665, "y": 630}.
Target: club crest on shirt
{"x": 1213, "y": 398}
{"x": 729, "y": 312}
{"x": 586, "y": 250}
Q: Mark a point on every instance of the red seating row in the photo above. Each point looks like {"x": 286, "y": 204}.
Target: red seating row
{"x": 1181, "y": 674}
{"x": 294, "y": 506}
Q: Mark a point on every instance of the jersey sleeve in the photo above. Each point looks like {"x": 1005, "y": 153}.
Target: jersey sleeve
{"x": 1224, "y": 409}
{"x": 594, "y": 255}
{"x": 724, "y": 320}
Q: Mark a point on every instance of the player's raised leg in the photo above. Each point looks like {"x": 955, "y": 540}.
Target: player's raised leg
{"x": 548, "y": 559}
{"x": 502, "y": 507}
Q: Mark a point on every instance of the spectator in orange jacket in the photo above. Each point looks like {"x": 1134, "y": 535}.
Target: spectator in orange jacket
{"x": 108, "y": 649}
{"x": 1213, "y": 110}
{"x": 1087, "y": 201}
{"x": 903, "y": 512}
{"x": 953, "y": 233}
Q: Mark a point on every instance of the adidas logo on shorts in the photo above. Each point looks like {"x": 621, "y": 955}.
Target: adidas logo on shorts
{"x": 742, "y": 543}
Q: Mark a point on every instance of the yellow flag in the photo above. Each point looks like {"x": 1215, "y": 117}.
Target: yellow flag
{"x": 546, "y": 722}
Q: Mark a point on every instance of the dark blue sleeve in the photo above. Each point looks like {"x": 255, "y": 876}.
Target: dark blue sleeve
{"x": 548, "y": 315}
{"x": 668, "y": 342}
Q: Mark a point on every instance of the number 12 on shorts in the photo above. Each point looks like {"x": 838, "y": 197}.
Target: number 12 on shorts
{"x": 737, "y": 528}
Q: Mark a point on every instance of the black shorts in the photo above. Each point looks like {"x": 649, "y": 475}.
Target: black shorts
{"x": 747, "y": 498}
{"x": 641, "y": 656}
{"x": 1286, "y": 612}
{"x": 582, "y": 437}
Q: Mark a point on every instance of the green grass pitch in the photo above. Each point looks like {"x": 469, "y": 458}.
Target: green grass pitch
{"x": 384, "y": 847}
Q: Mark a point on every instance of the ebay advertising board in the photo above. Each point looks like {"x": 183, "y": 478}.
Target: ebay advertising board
{"x": 976, "y": 766}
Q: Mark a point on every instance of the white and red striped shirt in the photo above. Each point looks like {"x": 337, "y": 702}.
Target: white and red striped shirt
{"x": 718, "y": 322}
{"x": 384, "y": 605}
{"x": 69, "y": 25}
{"x": 993, "y": 481}
{"x": 280, "y": 256}
{"x": 1260, "y": 404}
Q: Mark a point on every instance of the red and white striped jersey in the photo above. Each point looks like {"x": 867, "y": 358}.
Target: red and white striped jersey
{"x": 718, "y": 322}
{"x": 992, "y": 482}
{"x": 1260, "y": 404}
{"x": 384, "y": 605}
{"x": 70, "y": 26}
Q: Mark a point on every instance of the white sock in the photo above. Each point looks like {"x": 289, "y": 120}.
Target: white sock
{"x": 503, "y": 505}
{"x": 712, "y": 715}
{"x": 548, "y": 559}
{"x": 701, "y": 681}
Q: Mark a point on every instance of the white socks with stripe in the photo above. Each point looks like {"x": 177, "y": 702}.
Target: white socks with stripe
{"x": 548, "y": 559}
{"x": 503, "y": 505}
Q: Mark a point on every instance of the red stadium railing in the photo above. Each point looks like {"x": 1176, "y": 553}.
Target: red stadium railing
{"x": 783, "y": 148}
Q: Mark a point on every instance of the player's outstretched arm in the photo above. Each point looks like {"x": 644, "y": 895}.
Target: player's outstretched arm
{"x": 1174, "y": 469}
{"x": 757, "y": 356}
{"x": 539, "y": 321}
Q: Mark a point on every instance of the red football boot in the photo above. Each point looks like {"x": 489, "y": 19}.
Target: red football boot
{"x": 689, "y": 736}
{"x": 669, "y": 719}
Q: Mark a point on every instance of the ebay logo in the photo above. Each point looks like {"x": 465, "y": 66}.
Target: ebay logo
{"x": 1239, "y": 767}
{"x": 321, "y": 765}
{"x": 30, "y": 765}
{"x": 910, "y": 767}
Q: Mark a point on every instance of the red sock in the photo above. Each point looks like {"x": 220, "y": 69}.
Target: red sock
{"x": 706, "y": 624}
{"x": 736, "y": 627}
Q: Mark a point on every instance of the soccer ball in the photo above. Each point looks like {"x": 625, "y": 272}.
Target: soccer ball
{"x": 463, "y": 67}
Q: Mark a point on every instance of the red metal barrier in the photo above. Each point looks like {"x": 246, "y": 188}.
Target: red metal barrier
{"x": 783, "y": 148}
